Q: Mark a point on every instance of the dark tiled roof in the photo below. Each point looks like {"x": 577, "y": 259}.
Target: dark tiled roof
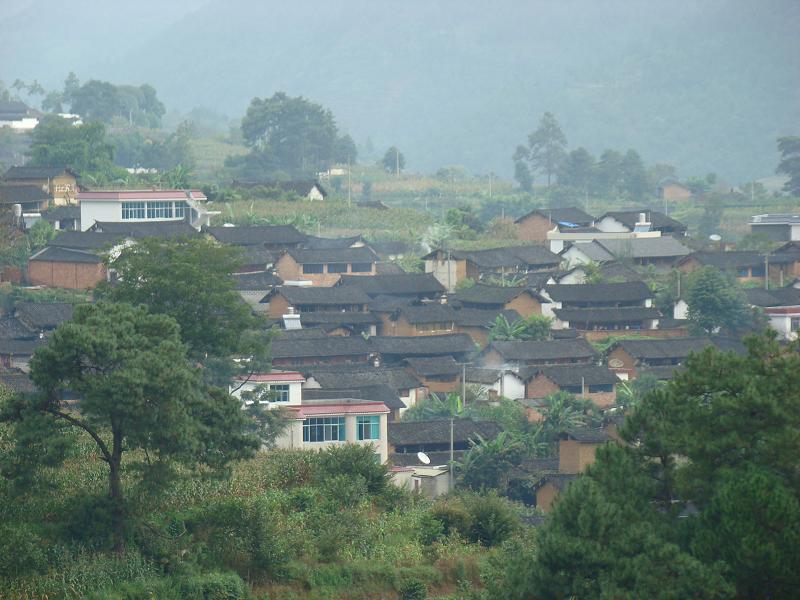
{"x": 429, "y": 313}
{"x": 511, "y": 257}
{"x": 20, "y": 347}
{"x": 617, "y": 270}
{"x": 57, "y": 213}
{"x": 17, "y": 381}
{"x": 156, "y": 229}
{"x": 433, "y": 367}
{"x": 658, "y": 220}
{"x": 41, "y": 315}
{"x": 423, "y": 345}
{"x": 490, "y": 294}
{"x": 318, "y": 243}
{"x": 358, "y": 376}
{"x": 22, "y": 194}
{"x": 546, "y": 350}
{"x": 559, "y": 480}
{"x": 593, "y": 250}
{"x": 257, "y": 235}
{"x": 569, "y": 214}
{"x": 669, "y": 348}
{"x": 388, "y": 303}
{"x": 661, "y": 372}
{"x": 634, "y": 291}
{"x": 415, "y": 433}
{"x": 85, "y": 240}
{"x": 306, "y": 333}
{"x": 587, "y": 436}
{"x": 410, "y": 459}
{"x": 779, "y": 297}
{"x": 57, "y": 254}
{"x": 257, "y": 255}
{"x": 407, "y": 284}
{"x": 320, "y": 347}
{"x": 483, "y": 376}
{"x": 583, "y": 316}
{"x": 478, "y": 317}
{"x": 307, "y": 295}
{"x": 660, "y": 247}
{"x": 363, "y": 254}
{"x": 338, "y": 317}
{"x": 573, "y": 375}
{"x": 35, "y": 173}
{"x": 380, "y": 391}
{"x": 256, "y": 281}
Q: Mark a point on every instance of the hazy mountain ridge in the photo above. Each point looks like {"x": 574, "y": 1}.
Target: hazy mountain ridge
{"x": 706, "y": 87}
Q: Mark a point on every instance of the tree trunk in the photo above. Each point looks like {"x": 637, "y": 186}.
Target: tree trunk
{"x": 115, "y": 495}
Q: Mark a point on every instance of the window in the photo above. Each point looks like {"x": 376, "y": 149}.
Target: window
{"x": 312, "y": 268}
{"x": 361, "y": 268}
{"x": 279, "y": 393}
{"x": 132, "y": 210}
{"x": 323, "y": 429}
{"x": 369, "y": 428}
{"x": 757, "y": 271}
{"x": 159, "y": 210}
{"x": 337, "y": 268}
{"x": 794, "y": 324}
{"x": 597, "y": 389}
{"x": 742, "y": 272}
{"x": 180, "y": 210}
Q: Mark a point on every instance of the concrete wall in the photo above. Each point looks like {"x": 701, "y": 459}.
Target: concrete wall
{"x": 292, "y": 438}
{"x": 100, "y": 210}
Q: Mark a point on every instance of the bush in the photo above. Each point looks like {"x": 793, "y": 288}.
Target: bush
{"x": 215, "y": 586}
{"x": 413, "y": 589}
{"x": 453, "y": 516}
{"x": 21, "y": 551}
{"x": 492, "y": 519}
{"x": 354, "y": 460}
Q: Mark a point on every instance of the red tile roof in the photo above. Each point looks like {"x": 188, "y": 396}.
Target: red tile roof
{"x": 141, "y": 195}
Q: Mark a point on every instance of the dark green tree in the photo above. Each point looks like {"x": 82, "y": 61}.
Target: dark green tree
{"x": 535, "y": 327}
{"x": 345, "y": 152}
{"x": 577, "y": 170}
{"x": 546, "y": 148}
{"x": 138, "y": 391}
{"x": 715, "y": 303}
{"x": 522, "y": 171}
{"x": 609, "y": 181}
{"x": 287, "y": 134}
{"x": 634, "y": 176}
{"x": 393, "y": 161}
{"x": 789, "y": 147}
{"x": 55, "y": 142}
{"x": 189, "y": 280}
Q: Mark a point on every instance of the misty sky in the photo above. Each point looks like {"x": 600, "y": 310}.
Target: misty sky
{"x": 704, "y": 85}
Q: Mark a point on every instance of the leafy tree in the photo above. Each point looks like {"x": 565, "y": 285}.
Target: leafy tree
{"x": 631, "y": 393}
{"x": 535, "y": 327}
{"x": 366, "y": 191}
{"x": 546, "y": 148}
{"x": 609, "y": 180}
{"x": 715, "y": 303}
{"x": 41, "y": 233}
{"x": 345, "y": 151}
{"x": 522, "y": 172}
{"x": 138, "y": 392}
{"x": 189, "y": 280}
{"x": 577, "y": 170}
{"x": 288, "y": 134}
{"x": 489, "y": 463}
{"x": 711, "y": 218}
{"x": 789, "y": 147}
{"x": 393, "y": 161}
{"x": 563, "y": 411}
{"x": 55, "y": 142}
{"x": 103, "y": 101}
{"x": 634, "y": 176}
{"x": 355, "y": 461}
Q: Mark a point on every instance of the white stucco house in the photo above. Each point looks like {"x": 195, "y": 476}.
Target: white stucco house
{"x": 144, "y": 206}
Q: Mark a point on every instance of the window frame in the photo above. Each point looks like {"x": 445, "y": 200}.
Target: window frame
{"x": 331, "y": 429}
{"x": 337, "y": 267}
{"x": 134, "y": 210}
{"x": 358, "y": 267}
{"x": 368, "y": 428}
{"x": 311, "y": 268}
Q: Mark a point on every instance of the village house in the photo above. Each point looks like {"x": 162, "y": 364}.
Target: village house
{"x": 32, "y": 200}
{"x": 629, "y": 358}
{"x": 269, "y": 237}
{"x": 661, "y": 252}
{"x": 309, "y": 189}
{"x": 781, "y": 307}
{"x": 407, "y": 285}
{"x": 342, "y": 322}
{"x": 136, "y": 206}
{"x": 419, "y": 320}
{"x": 253, "y": 287}
{"x": 594, "y": 382}
{"x": 534, "y": 226}
{"x": 27, "y": 329}
{"x": 289, "y": 351}
{"x": 62, "y": 218}
{"x": 376, "y": 393}
{"x": 307, "y": 299}
{"x": 629, "y": 220}
{"x": 521, "y": 299}
{"x": 18, "y": 116}
{"x": 395, "y": 350}
{"x": 608, "y": 272}
{"x": 776, "y": 227}
{"x": 440, "y": 374}
{"x": 517, "y": 354}
{"x": 58, "y": 183}
{"x": 576, "y": 451}
{"x": 56, "y": 266}
{"x": 451, "y": 267}
{"x": 478, "y": 323}
{"x": 745, "y": 265}
{"x": 786, "y": 261}
{"x": 325, "y": 267}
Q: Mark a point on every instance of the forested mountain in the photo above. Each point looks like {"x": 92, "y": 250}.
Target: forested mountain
{"x": 706, "y": 86}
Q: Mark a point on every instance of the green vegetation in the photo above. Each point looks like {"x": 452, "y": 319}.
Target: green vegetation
{"x": 535, "y": 327}
{"x": 716, "y": 304}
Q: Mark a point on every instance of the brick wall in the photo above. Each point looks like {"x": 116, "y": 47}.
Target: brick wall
{"x": 534, "y": 228}
{"x": 526, "y": 305}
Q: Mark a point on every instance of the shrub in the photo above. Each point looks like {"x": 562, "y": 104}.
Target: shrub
{"x": 492, "y": 519}
{"x": 21, "y": 551}
{"x": 453, "y": 516}
{"x": 413, "y": 589}
{"x": 352, "y": 460}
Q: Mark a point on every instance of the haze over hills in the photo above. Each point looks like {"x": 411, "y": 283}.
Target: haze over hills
{"x": 706, "y": 86}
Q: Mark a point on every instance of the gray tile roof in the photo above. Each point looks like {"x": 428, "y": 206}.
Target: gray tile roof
{"x": 668, "y": 348}
{"x": 42, "y": 315}
{"x": 573, "y": 375}
{"x": 364, "y": 254}
{"x": 156, "y": 229}
{"x": 440, "y": 366}
{"x": 416, "y": 433}
{"x": 555, "y": 350}
{"x": 256, "y": 281}
{"x": 658, "y": 220}
{"x": 313, "y": 295}
{"x": 490, "y": 294}
{"x": 623, "y": 314}
{"x": 423, "y": 345}
{"x": 660, "y": 247}
{"x": 358, "y": 376}
{"x": 320, "y": 347}
{"x": 634, "y": 291}
{"x": 257, "y": 235}
{"x": 85, "y": 240}
{"x": 57, "y": 254}
{"x": 407, "y": 284}
{"x": 570, "y": 214}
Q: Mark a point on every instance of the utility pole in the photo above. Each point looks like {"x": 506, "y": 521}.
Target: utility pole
{"x": 349, "y": 194}
{"x": 452, "y": 458}
{"x": 491, "y": 175}
{"x": 397, "y": 162}
{"x": 766, "y": 271}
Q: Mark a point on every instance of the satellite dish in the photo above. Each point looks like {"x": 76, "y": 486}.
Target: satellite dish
{"x": 714, "y": 237}
{"x": 423, "y": 458}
